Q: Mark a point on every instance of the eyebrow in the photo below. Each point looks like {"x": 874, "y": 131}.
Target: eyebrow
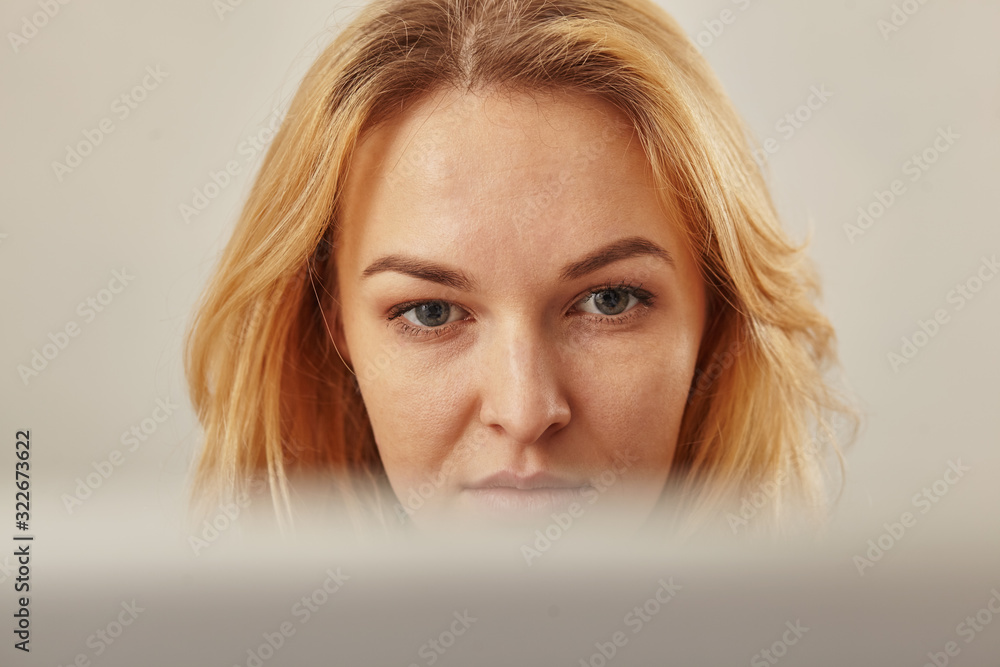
{"x": 616, "y": 251}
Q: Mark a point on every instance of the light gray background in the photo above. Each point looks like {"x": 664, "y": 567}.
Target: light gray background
{"x": 226, "y": 76}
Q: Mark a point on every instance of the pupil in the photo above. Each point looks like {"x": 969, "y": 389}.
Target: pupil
{"x": 433, "y": 314}
{"x": 614, "y": 303}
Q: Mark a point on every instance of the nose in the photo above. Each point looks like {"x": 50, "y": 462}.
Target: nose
{"x": 522, "y": 391}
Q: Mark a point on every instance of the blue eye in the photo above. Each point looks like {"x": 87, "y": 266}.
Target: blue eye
{"x": 611, "y": 301}
{"x": 431, "y": 313}
{"x": 613, "y": 304}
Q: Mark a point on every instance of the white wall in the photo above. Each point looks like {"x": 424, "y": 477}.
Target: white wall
{"x": 222, "y": 79}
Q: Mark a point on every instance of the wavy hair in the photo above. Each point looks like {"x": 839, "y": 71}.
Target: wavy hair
{"x": 270, "y": 389}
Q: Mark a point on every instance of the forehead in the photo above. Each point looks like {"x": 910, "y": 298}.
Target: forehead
{"x": 472, "y": 172}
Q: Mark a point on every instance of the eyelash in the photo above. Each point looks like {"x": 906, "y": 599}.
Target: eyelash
{"x": 645, "y": 300}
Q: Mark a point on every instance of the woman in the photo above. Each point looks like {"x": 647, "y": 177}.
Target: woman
{"x": 507, "y": 258}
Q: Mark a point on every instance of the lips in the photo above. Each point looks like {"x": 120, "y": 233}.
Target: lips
{"x": 539, "y": 480}
{"x": 507, "y": 493}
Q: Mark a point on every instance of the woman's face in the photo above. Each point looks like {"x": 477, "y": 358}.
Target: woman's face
{"x": 522, "y": 314}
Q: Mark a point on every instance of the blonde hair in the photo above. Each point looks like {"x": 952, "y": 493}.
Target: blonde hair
{"x": 265, "y": 377}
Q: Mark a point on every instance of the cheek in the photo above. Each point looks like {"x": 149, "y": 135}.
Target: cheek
{"x": 416, "y": 415}
{"x": 634, "y": 395}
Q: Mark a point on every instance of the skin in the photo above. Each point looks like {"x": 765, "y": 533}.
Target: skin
{"x": 530, "y": 371}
